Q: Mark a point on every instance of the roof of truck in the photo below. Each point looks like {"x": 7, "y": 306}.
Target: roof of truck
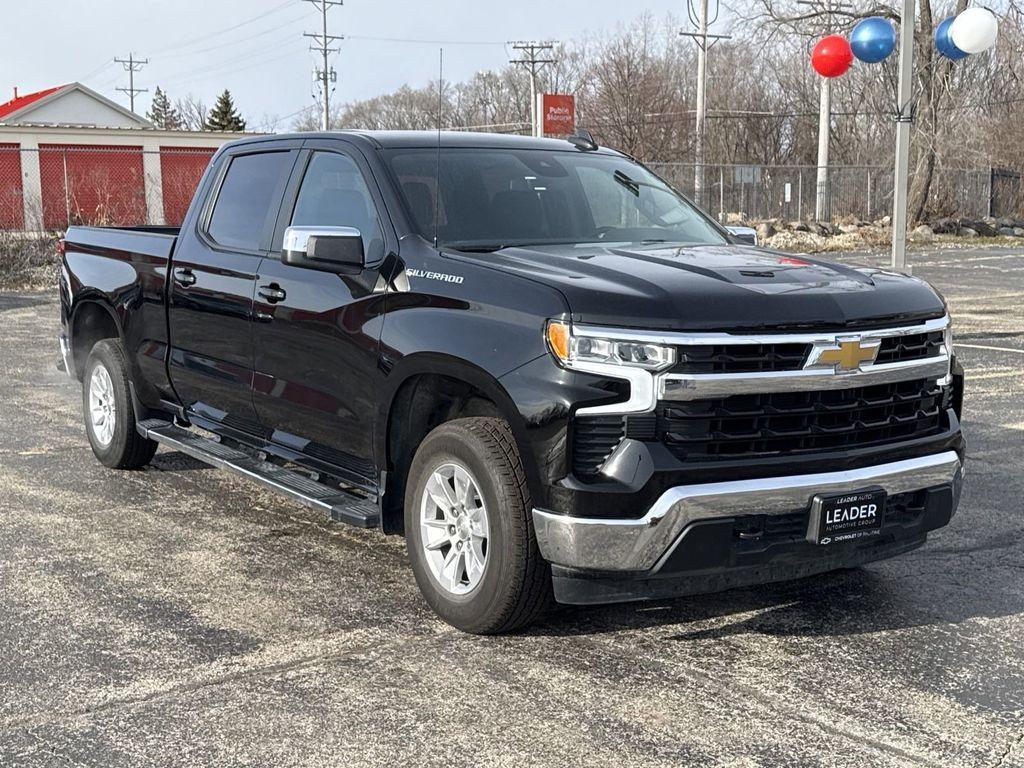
{"x": 423, "y": 139}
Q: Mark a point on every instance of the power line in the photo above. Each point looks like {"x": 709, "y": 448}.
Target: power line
{"x": 219, "y": 32}
{"x": 251, "y": 60}
{"x": 131, "y": 66}
{"x": 96, "y": 71}
{"x": 221, "y": 45}
{"x": 420, "y": 41}
{"x": 322, "y": 45}
{"x": 530, "y": 59}
{"x": 278, "y": 120}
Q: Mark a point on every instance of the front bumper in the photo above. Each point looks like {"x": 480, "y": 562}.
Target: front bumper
{"x": 641, "y": 547}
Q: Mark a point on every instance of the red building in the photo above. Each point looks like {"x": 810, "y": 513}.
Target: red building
{"x": 70, "y": 155}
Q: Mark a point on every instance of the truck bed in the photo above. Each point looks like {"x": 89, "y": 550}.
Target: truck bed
{"x": 156, "y": 242}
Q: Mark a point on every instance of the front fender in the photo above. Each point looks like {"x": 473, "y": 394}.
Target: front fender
{"x": 449, "y": 366}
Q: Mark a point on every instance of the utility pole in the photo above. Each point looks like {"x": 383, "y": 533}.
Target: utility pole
{"x": 132, "y": 65}
{"x": 904, "y": 117}
{"x": 699, "y": 18}
{"x": 821, "y": 200}
{"x": 531, "y": 52}
{"x": 322, "y": 45}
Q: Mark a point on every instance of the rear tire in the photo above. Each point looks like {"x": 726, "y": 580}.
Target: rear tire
{"x": 476, "y": 562}
{"x": 108, "y": 411}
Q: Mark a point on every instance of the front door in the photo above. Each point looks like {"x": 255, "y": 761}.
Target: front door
{"x": 316, "y": 370}
{"x": 213, "y": 281}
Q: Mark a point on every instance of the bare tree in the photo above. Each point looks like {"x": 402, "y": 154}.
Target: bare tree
{"x": 634, "y": 89}
{"x": 193, "y": 112}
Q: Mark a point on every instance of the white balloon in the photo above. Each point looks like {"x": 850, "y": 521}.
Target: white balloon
{"x": 974, "y": 30}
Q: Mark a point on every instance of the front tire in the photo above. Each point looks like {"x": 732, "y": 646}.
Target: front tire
{"x": 469, "y": 529}
{"x": 109, "y": 415}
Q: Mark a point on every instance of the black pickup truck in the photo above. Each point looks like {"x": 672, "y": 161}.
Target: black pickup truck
{"x": 533, "y": 358}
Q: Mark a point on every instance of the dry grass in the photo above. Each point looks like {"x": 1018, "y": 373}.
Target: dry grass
{"x": 873, "y": 238}
{"x": 27, "y": 260}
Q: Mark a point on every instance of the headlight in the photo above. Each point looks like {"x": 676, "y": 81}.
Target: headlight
{"x": 948, "y": 339}
{"x": 571, "y": 349}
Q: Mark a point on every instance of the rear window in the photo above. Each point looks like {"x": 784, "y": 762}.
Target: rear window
{"x": 243, "y": 204}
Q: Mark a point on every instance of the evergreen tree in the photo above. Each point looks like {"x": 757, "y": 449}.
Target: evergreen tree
{"x": 162, "y": 113}
{"x": 223, "y": 116}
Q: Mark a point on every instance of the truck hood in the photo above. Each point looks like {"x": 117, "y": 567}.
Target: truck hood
{"x": 726, "y": 287}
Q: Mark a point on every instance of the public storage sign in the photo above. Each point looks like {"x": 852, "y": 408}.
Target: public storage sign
{"x": 559, "y": 114}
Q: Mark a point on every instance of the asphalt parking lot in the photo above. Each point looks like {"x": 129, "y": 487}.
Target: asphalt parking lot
{"x": 180, "y": 617}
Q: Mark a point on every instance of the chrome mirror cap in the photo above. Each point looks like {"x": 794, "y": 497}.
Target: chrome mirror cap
{"x": 745, "y": 234}
{"x": 296, "y": 239}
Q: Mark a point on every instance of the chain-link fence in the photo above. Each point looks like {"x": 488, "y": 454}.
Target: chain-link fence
{"x": 57, "y": 185}
{"x": 790, "y": 192}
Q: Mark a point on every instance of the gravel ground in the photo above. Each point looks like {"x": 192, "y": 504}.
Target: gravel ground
{"x": 180, "y": 617}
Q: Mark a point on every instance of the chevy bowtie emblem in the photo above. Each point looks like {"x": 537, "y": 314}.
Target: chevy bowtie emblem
{"x": 845, "y": 356}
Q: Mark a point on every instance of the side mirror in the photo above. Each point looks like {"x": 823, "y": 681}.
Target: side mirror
{"x": 328, "y": 249}
{"x": 744, "y": 234}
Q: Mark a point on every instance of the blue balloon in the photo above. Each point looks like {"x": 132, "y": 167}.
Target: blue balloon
{"x": 873, "y": 39}
{"x": 944, "y": 43}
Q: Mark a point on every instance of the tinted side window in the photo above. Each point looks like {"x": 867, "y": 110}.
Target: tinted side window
{"x": 243, "y": 203}
{"x": 334, "y": 194}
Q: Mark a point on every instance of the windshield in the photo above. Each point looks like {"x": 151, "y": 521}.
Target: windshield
{"x": 496, "y": 198}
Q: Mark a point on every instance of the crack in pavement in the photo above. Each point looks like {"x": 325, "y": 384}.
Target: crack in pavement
{"x": 1010, "y": 747}
{"x": 175, "y": 689}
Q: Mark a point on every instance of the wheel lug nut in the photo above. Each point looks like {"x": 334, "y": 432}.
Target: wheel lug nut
{"x": 451, "y": 529}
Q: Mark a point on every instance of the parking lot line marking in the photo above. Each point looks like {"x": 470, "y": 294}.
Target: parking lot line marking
{"x": 987, "y": 297}
{"x": 993, "y": 375}
{"x": 994, "y": 349}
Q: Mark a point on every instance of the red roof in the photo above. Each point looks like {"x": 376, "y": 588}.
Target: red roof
{"x": 18, "y": 102}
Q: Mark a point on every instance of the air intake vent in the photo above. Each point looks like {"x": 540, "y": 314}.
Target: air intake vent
{"x": 593, "y": 440}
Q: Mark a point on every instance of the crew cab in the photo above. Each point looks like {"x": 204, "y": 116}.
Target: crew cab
{"x": 533, "y": 358}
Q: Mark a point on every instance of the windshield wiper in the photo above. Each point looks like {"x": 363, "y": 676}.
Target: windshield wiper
{"x": 475, "y": 247}
{"x": 633, "y": 185}
{"x": 629, "y": 183}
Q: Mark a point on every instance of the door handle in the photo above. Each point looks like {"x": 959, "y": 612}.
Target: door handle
{"x": 272, "y": 293}
{"x": 184, "y": 277}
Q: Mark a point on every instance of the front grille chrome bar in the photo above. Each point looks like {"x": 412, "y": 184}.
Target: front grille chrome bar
{"x": 714, "y": 385}
{"x": 647, "y": 388}
{"x": 688, "y": 339}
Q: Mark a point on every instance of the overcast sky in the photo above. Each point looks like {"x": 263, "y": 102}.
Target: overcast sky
{"x": 256, "y": 48}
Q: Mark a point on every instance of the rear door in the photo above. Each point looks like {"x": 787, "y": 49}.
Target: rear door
{"x": 316, "y": 372}
{"x": 213, "y": 280}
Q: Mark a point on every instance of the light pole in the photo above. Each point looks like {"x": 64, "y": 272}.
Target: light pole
{"x": 904, "y": 118}
{"x": 699, "y": 18}
{"x": 821, "y": 207}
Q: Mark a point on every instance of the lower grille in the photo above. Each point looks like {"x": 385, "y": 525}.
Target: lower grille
{"x": 756, "y": 531}
{"x": 593, "y": 440}
{"x": 764, "y": 425}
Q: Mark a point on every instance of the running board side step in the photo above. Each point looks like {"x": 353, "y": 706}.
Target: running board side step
{"x": 341, "y": 506}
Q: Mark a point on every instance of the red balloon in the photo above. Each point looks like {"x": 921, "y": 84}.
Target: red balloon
{"x": 831, "y": 56}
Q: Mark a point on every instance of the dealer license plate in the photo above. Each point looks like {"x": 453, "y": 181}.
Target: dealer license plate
{"x": 846, "y": 517}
